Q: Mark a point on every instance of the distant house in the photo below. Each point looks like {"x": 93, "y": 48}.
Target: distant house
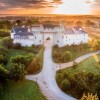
{"x": 57, "y": 34}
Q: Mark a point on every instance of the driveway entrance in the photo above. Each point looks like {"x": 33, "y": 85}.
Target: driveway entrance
{"x": 48, "y": 39}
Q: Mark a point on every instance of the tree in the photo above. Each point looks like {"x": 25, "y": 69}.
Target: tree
{"x": 24, "y": 60}
{"x": 89, "y": 97}
{"x": 79, "y": 83}
{"x": 3, "y": 51}
{"x": 67, "y": 56}
{"x": 79, "y": 23}
{"x": 96, "y": 45}
{"x": 7, "y": 42}
{"x": 9, "y": 24}
{"x": 17, "y": 46}
{"x": 34, "y": 66}
{"x": 17, "y": 72}
{"x": 3, "y": 60}
{"x": 3, "y": 55}
{"x": 18, "y": 22}
{"x": 3, "y": 25}
{"x": 89, "y": 23}
{"x": 18, "y": 59}
{"x": 65, "y": 84}
{"x": 29, "y": 23}
{"x": 4, "y": 33}
{"x": 3, "y": 74}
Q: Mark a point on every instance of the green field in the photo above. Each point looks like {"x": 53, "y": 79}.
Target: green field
{"x": 24, "y": 90}
{"x": 88, "y": 65}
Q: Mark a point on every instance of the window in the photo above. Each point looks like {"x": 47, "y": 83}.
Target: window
{"x": 57, "y": 41}
{"x": 66, "y": 36}
{"x": 62, "y": 37}
{"x": 35, "y": 37}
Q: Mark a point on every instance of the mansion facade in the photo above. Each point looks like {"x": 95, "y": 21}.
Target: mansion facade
{"x": 57, "y": 34}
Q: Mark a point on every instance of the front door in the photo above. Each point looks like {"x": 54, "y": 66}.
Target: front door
{"x": 48, "y": 39}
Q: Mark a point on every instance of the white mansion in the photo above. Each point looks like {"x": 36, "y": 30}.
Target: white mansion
{"x": 57, "y": 34}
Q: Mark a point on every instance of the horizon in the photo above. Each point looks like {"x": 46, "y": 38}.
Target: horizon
{"x": 59, "y": 7}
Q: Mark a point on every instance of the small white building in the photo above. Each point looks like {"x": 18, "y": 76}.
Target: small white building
{"x": 57, "y": 34}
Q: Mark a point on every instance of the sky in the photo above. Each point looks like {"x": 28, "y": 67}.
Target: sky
{"x": 87, "y": 7}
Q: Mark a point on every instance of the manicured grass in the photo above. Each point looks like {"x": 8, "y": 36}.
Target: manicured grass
{"x": 13, "y": 52}
{"x": 88, "y": 65}
{"x": 24, "y": 90}
{"x": 76, "y": 51}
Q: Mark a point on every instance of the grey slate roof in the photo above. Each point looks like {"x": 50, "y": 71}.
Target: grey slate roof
{"x": 72, "y": 31}
{"x": 20, "y": 29}
{"x": 23, "y": 33}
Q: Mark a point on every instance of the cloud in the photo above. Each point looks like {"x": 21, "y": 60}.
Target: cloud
{"x": 26, "y": 4}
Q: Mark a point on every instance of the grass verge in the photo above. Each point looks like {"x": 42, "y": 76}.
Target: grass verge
{"x": 24, "y": 90}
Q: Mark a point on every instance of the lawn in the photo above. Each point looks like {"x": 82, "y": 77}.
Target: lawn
{"x": 88, "y": 65}
{"x": 76, "y": 51}
{"x": 24, "y": 90}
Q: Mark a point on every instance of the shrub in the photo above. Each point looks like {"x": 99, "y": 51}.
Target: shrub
{"x": 7, "y": 42}
{"x": 3, "y": 60}
{"x": 4, "y": 33}
{"x": 97, "y": 45}
{"x": 3, "y": 74}
{"x": 19, "y": 59}
{"x": 3, "y": 55}
{"x": 55, "y": 46}
{"x": 65, "y": 84}
{"x": 34, "y": 66}
{"x": 56, "y": 54}
{"x": 79, "y": 83}
{"x": 67, "y": 56}
{"x": 17, "y": 72}
{"x": 37, "y": 63}
{"x": 17, "y": 46}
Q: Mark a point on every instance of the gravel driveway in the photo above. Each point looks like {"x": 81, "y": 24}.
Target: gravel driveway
{"x": 46, "y": 78}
